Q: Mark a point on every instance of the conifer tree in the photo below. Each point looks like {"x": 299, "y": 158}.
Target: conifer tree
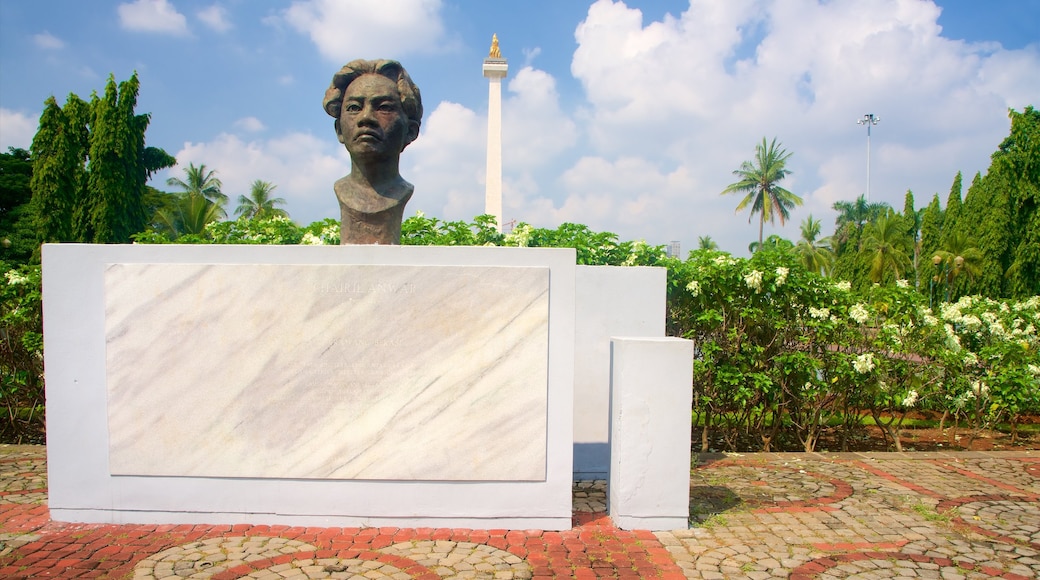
{"x": 989, "y": 229}
{"x": 953, "y": 206}
{"x": 58, "y": 151}
{"x": 1018, "y": 159}
{"x": 90, "y": 166}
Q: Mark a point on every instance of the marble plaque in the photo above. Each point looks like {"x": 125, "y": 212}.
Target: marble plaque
{"x": 370, "y": 372}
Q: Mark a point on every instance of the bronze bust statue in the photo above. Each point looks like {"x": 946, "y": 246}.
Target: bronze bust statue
{"x": 378, "y": 111}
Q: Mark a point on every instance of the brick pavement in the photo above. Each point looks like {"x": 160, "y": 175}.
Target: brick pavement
{"x": 800, "y": 516}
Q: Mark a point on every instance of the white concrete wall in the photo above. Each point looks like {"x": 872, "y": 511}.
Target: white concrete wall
{"x": 83, "y": 488}
{"x": 651, "y": 394}
{"x": 611, "y": 301}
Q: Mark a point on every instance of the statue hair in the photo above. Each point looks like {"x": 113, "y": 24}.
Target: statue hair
{"x": 411, "y": 100}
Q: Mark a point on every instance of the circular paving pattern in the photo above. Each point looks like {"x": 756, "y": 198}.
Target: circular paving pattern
{"x": 465, "y": 559}
{"x": 1033, "y": 469}
{"x": 272, "y": 557}
{"x": 1006, "y": 518}
{"x": 23, "y": 480}
{"x": 774, "y": 488}
{"x": 873, "y": 565}
{"x": 205, "y": 558}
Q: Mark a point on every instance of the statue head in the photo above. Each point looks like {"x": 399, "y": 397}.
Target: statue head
{"x": 411, "y": 100}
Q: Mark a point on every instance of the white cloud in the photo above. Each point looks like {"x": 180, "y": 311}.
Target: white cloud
{"x": 347, "y": 29}
{"x": 530, "y": 54}
{"x": 48, "y": 41}
{"x": 215, "y": 17}
{"x": 447, "y": 163}
{"x": 250, "y": 125}
{"x": 152, "y": 16}
{"x": 16, "y": 129}
{"x": 535, "y": 129}
{"x": 690, "y": 96}
{"x": 303, "y": 167}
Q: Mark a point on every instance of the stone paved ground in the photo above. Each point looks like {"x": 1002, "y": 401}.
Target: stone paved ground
{"x": 821, "y": 516}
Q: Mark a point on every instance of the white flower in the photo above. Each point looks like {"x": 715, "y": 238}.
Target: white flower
{"x": 930, "y": 320}
{"x": 694, "y": 287}
{"x": 953, "y": 342}
{"x": 859, "y": 313}
{"x": 979, "y": 388}
{"x": 781, "y": 275}
{"x": 911, "y": 399}
{"x": 971, "y": 321}
{"x": 864, "y": 363}
{"x": 753, "y": 279}
{"x": 519, "y": 237}
{"x": 819, "y": 313}
{"x": 310, "y": 239}
{"x": 14, "y": 278}
{"x": 1034, "y": 370}
{"x": 844, "y": 285}
{"x": 724, "y": 260}
{"x": 970, "y": 358}
{"x": 902, "y": 283}
{"x": 883, "y": 386}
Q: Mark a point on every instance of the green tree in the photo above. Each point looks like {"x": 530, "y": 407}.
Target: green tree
{"x": 814, "y": 253}
{"x": 953, "y": 206}
{"x": 120, "y": 164}
{"x": 1018, "y": 159}
{"x": 90, "y": 165}
{"x": 852, "y": 216}
{"x": 989, "y": 204}
{"x": 706, "y": 243}
{"x": 189, "y": 215}
{"x": 59, "y": 150}
{"x": 931, "y": 228}
{"x": 16, "y": 239}
{"x": 759, "y": 183}
{"x": 259, "y": 204}
{"x": 888, "y": 247}
{"x": 199, "y": 181}
{"x": 956, "y": 259}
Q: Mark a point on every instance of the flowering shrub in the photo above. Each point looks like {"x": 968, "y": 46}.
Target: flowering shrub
{"x": 21, "y": 354}
{"x": 780, "y": 351}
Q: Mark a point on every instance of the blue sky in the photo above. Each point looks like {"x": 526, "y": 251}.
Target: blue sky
{"x": 626, "y": 116}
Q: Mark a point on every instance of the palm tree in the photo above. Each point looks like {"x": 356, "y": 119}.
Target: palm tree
{"x": 817, "y": 255}
{"x": 773, "y": 242}
{"x": 956, "y": 257}
{"x": 259, "y": 204}
{"x": 855, "y": 214}
{"x": 706, "y": 243}
{"x": 202, "y": 183}
{"x": 888, "y": 246}
{"x": 759, "y": 179}
{"x": 189, "y": 215}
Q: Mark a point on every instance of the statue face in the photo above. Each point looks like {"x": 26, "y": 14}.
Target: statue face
{"x": 372, "y": 123}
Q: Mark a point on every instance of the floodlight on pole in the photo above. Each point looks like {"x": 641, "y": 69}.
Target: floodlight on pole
{"x": 868, "y": 120}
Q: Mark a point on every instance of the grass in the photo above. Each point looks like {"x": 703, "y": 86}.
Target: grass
{"x": 928, "y": 512}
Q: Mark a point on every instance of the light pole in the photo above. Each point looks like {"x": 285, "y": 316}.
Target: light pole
{"x": 868, "y": 120}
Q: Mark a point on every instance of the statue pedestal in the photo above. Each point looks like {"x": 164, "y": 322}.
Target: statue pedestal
{"x": 334, "y": 386}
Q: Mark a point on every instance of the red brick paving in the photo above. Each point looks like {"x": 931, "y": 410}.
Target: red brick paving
{"x": 594, "y": 548}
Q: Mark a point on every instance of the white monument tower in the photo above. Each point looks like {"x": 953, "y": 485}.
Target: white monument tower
{"x": 495, "y": 69}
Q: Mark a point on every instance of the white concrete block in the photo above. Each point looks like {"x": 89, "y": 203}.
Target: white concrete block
{"x": 651, "y": 395}
{"x": 97, "y": 474}
{"x": 611, "y": 301}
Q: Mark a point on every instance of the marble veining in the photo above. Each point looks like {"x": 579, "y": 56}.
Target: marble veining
{"x": 372, "y": 372}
